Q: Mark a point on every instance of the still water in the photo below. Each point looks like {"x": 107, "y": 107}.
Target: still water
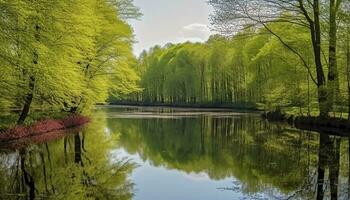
{"x": 178, "y": 154}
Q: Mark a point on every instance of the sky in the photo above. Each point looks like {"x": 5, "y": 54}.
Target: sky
{"x": 174, "y": 21}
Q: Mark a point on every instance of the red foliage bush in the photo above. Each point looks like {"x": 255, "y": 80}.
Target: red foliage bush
{"x": 36, "y": 139}
{"x": 42, "y": 127}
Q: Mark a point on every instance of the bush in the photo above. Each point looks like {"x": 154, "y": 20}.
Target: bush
{"x": 43, "y": 126}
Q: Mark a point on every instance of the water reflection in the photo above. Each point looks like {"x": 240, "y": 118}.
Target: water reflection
{"x": 268, "y": 160}
{"x": 77, "y": 167}
{"x": 181, "y": 154}
{"x": 329, "y": 158}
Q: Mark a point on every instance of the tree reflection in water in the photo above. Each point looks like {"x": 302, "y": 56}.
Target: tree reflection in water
{"x": 284, "y": 162}
{"x": 329, "y": 158}
{"x": 77, "y": 167}
{"x": 262, "y": 159}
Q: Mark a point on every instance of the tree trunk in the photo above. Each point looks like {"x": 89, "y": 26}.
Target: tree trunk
{"x": 308, "y": 96}
{"x": 28, "y": 102}
{"x": 77, "y": 150}
{"x": 321, "y": 81}
{"x": 348, "y": 72}
{"x": 27, "y": 177}
{"x": 333, "y": 76}
{"x": 322, "y": 164}
{"x": 334, "y": 165}
{"x": 349, "y": 168}
{"x": 30, "y": 95}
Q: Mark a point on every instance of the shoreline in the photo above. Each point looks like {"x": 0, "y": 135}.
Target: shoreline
{"x": 42, "y": 127}
{"x": 331, "y": 125}
{"x": 248, "y": 107}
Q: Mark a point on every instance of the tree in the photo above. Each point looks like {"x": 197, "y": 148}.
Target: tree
{"x": 106, "y": 67}
{"x": 334, "y": 90}
{"x": 37, "y": 54}
{"x": 71, "y": 55}
{"x": 231, "y": 15}
{"x": 344, "y": 29}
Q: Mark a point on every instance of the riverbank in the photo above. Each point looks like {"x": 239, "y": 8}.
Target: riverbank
{"x": 237, "y": 106}
{"x": 42, "y": 127}
{"x": 331, "y": 125}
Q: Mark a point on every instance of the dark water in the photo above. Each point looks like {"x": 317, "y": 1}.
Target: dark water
{"x": 179, "y": 154}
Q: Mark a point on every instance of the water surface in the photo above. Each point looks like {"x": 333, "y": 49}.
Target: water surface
{"x": 171, "y": 154}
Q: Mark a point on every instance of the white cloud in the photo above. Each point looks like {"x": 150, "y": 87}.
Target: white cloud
{"x": 189, "y": 39}
{"x": 196, "y": 30}
{"x": 196, "y": 26}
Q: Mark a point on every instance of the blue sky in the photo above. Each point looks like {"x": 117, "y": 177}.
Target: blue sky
{"x": 173, "y": 21}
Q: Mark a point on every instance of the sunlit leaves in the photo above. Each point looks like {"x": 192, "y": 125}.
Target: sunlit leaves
{"x": 77, "y": 52}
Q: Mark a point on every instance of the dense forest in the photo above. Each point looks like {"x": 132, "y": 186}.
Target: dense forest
{"x": 291, "y": 55}
{"x": 62, "y": 62}
{"x": 65, "y": 57}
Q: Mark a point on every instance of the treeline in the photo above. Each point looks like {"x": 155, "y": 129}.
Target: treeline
{"x": 61, "y": 55}
{"x": 273, "y": 63}
{"x": 223, "y": 70}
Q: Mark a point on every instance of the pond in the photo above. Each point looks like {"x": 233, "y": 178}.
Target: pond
{"x": 153, "y": 153}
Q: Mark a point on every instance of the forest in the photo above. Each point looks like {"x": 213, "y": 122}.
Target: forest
{"x": 183, "y": 119}
{"x": 63, "y": 58}
{"x": 294, "y": 57}
{"x": 71, "y": 56}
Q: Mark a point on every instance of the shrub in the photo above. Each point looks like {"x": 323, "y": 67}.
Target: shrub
{"x": 43, "y": 126}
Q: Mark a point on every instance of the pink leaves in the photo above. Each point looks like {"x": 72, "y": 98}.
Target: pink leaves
{"x": 42, "y": 127}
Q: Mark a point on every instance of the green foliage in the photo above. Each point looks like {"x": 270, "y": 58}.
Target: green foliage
{"x": 277, "y": 63}
{"x": 229, "y": 70}
{"x": 251, "y": 67}
{"x": 65, "y": 57}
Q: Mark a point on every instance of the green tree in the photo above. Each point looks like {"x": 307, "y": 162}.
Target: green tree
{"x": 65, "y": 57}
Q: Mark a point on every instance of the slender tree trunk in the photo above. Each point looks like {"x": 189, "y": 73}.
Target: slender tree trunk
{"x": 77, "y": 150}
{"x": 348, "y": 72}
{"x": 28, "y": 102}
{"x": 322, "y": 163}
{"x": 308, "y": 96}
{"x": 334, "y": 164}
{"x": 44, "y": 172}
{"x": 349, "y": 168}
{"x": 321, "y": 81}
{"x": 333, "y": 76}
{"x": 30, "y": 95}
{"x": 28, "y": 178}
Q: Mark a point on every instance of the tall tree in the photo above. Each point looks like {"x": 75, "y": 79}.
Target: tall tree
{"x": 230, "y": 15}
{"x": 54, "y": 56}
{"x": 333, "y": 74}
